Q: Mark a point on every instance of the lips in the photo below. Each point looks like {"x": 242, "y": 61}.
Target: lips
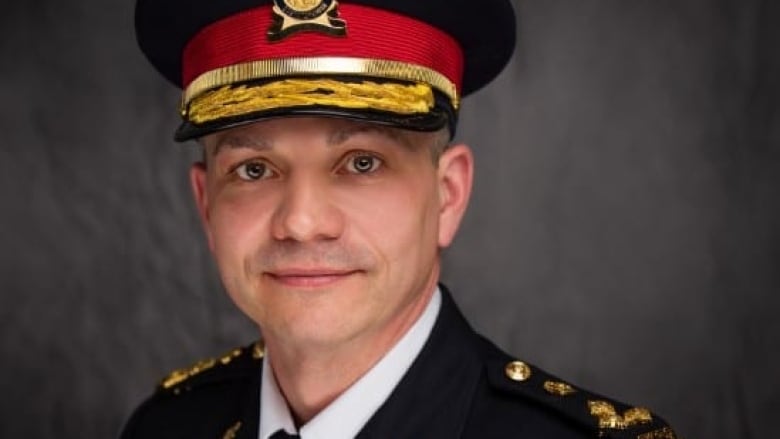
{"x": 303, "y": 278}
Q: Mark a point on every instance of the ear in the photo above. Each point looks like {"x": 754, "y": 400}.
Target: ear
{"x": 198, "y": 176}
{"x": 456, "y": 172}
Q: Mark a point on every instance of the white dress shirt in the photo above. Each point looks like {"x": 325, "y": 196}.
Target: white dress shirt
{"x": 346, "y": 415}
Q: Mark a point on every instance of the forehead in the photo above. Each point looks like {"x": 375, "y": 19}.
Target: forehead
{"x": 327, "y": 130}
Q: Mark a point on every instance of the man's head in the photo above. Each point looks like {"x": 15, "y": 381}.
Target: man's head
{"x": 319, "y": 120}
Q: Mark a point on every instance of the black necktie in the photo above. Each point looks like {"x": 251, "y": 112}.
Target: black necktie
{"x": 281, "y": 434}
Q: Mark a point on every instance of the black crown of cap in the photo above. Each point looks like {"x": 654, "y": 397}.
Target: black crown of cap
{"x": 485, "y": 29}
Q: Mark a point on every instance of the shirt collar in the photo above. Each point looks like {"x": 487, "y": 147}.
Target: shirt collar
{"x": 274, "y": 413}
{"x": 347, "y": 414}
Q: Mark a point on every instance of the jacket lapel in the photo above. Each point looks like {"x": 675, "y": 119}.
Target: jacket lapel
{"x": 434, "y": 396}
{"x": 248, "y": 414}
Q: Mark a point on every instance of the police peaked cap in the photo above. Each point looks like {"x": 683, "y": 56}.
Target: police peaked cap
{"x": 405, "y": 63}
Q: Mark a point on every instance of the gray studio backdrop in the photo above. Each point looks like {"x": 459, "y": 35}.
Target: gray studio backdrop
{"x": 623, "y": 233}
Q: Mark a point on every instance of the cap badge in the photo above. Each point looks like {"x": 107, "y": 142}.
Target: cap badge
{"x": 292, "y": 16}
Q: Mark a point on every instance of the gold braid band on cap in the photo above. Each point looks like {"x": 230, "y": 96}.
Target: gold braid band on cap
{"x": 230, "y": 101}
{"x": 318, "y": 66}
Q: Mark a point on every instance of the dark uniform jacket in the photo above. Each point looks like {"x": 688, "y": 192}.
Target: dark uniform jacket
{"x": 460, "y": 386}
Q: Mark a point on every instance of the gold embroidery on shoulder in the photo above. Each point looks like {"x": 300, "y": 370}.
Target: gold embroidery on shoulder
{"x": 664, "y": 433}
{"x": 558, "y": 388}
{"x": 258, "y": 350}
{"x": 637, "y": 415}
{"x": 609, "y": 418}
{"x": 180, "y": 375}
{"x": 228, "y": 357}
{"x": 232, "y": 431}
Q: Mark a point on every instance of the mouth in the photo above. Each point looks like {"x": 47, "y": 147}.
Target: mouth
{"x": 309, "y": 278}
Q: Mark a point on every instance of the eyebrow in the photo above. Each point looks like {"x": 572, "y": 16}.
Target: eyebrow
{"x": 342, "y": 135}
{"x": 236, "y": 141}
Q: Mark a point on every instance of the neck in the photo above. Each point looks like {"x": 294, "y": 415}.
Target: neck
{"x": 310, "y": 378}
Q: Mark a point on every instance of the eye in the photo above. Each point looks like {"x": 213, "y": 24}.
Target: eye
{"x": 251, "y": 171}
{"x": 362, "y": 163}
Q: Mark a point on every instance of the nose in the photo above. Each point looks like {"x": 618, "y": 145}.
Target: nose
{"x": 306, "y": 212}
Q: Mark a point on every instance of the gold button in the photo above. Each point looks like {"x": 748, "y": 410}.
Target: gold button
{"x": 518, "y": 371}
{"x": 558, "y": 388}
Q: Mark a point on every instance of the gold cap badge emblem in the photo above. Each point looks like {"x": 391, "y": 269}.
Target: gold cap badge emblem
{"x": 292, "y": 16}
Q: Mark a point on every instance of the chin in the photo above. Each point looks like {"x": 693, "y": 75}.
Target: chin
{"x": 320, "y": 332}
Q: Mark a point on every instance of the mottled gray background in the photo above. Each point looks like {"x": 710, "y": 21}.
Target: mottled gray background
{"x": 625, "y": 231}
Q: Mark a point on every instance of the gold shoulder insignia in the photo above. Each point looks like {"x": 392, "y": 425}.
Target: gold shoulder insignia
{"x": 558, "y": 388}
{"x": 178, "y": 376}
{"x": 610, "y": 419}
{"x": 605, "y": 418}
{"x": 232, "y": 431}
{"x": 663, "y": 433}
{"x": 258, "y": 350}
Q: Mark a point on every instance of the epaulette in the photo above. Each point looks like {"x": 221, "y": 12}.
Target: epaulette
{"x": 234, "y": 363}
{"x": 606, "y": 418}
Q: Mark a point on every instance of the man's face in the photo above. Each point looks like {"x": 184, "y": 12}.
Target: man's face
{"x": 325, "y": 230}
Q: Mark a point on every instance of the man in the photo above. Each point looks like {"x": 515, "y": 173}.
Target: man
{"x": 327, "y": 189}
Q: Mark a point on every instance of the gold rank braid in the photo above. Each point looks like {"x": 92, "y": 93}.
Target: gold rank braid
{"x": 230, "y": 101}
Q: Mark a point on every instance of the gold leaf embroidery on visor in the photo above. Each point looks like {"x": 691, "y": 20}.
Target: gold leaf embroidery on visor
{"x": 231, "y": 101}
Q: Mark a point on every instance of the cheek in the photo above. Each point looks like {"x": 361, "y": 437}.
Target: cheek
{"x": 395, "y": 219}
{"x": 239, "y": 224}
{"x": 238, "y": 221}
